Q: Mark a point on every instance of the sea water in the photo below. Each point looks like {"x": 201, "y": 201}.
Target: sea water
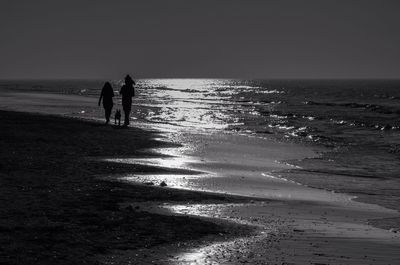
{"x": 357, "y": 122}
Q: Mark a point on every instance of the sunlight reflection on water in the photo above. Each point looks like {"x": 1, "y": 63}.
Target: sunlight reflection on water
{"x": 198, "y": 104}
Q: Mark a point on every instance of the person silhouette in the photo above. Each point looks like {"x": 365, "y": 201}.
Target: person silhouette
{"x": 127, "y": 91}
{"x": 107, "y": 94}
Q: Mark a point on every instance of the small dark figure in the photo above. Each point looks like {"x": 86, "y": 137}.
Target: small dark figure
{"x": 117, "y": 117}
{"x": 163, "y": 184}
{"x": 127, "y": 91}
{"x": 107, "y": 94}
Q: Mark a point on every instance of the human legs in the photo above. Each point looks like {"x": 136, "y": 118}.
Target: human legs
{"x": 108, "y": 114}
{"x": 127, "y": 111}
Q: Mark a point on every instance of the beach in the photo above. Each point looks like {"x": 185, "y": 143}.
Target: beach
{"x": 56, "y": 207}
{"x": 78, "y": 191}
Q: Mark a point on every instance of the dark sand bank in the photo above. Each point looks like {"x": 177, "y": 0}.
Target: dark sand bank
{"x": 56, "y": 208}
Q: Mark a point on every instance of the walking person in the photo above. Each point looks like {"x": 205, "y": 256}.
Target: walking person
{"x": 127, "y": 91}
{"x": 107, "y": 94}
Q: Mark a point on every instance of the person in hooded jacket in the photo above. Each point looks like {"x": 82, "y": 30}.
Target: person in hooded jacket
{"x": 128, "y": 92}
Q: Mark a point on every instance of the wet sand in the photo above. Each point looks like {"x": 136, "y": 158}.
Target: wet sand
{"x": 294, "y": 225}
{"x": 281, "y": 223}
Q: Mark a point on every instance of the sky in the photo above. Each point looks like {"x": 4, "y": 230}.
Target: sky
{"x": 200, "y": 39}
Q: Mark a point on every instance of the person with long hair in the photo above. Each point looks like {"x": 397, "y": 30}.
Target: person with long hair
{"x": 107, "y": 94}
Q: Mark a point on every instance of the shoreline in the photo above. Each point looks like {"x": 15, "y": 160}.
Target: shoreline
{"x": 68, "y": 105}
{"x": 56, "y": 209}
{"x": 283, "y": 207}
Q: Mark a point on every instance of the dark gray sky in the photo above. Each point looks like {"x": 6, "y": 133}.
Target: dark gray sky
{"x": 200, "y": 38}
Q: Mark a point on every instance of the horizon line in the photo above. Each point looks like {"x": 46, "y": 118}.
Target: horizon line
{"x": 234, "y": 78}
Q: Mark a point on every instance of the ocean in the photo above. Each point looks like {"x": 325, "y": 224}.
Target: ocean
{"x": 356, "y": 123}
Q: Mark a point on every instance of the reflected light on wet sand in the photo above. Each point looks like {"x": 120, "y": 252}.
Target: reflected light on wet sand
{"x": 224, "y": 251}
{"x": 170, "y": 158}
{"x": 213, "y": 254}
